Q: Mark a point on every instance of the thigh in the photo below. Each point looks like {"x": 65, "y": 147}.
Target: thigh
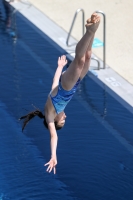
{"x": 71, "y": 75}
{"x": 85, "y": 69}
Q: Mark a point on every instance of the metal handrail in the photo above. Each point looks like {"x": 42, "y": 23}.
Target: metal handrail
{"x": 104, "y": 37}
{"x": 98, "y": 62}
{"x": 83, "y": 29}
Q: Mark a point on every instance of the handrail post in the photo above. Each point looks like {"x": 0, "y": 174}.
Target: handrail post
{"x": 104, "y": 37}
{"x": 83, "y": 29}
{"x": 98, "y": 62}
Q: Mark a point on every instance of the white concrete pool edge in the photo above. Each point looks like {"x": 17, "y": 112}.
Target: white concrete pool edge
{"x": 109, "y": 77}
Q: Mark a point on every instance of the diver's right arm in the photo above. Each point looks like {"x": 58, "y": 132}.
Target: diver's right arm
{"x": 61, "y": 63}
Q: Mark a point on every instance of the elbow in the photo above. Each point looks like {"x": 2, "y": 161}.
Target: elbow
{"x": 54, "y": 136}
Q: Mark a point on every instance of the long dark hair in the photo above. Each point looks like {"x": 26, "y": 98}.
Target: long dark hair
{"x": 34, "y": 113}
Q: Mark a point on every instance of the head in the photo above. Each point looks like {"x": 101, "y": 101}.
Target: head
{"x": 59, "y": 121}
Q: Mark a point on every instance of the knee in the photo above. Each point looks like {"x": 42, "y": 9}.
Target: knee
{"x": 88, "y": 55}
{"x": 80, "y": 61}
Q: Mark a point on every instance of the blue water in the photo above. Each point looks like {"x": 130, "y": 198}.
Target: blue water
{"x": 21, "y": 166}
{"x": 95, "y": 147}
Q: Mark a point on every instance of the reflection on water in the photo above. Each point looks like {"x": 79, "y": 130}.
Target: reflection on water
{"x": 84, "y": 92}
{"x": 8, "y": 20}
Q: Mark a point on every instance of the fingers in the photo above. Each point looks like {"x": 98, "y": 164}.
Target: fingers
{"x": 63, "y": 57}
{"x": 62, "y": 61}
{"x": 50, "y": 167}
{"x": 54, "y": 170}
{"x": 47, "y": 164}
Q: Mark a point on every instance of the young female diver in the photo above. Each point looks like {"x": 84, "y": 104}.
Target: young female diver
{"x": 64, "y": 86}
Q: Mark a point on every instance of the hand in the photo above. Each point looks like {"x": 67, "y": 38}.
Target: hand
{"x": 52, "y": 163}
{"x": 62, "y": 61}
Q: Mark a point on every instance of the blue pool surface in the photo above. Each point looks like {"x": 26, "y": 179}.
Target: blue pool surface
{"x": 95, "y": 156}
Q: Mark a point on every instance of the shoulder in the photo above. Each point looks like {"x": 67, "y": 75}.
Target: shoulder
{"x": 54, "y": 91}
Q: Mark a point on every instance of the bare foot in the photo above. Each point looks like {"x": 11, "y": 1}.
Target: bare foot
{"x": 94, "y": 18}
{"x": 93, "y": 23}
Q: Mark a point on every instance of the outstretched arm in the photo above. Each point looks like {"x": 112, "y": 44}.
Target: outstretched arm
{"x": 61, "y": 63}
{"x": 53, "y": 144}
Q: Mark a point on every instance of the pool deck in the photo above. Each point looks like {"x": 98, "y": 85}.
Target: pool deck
{"x": 56, "y": 23}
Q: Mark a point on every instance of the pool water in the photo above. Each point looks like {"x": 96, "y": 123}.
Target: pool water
{"x": 95, "y": 146}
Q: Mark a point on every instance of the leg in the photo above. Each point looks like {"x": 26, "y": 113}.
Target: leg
{"x": 87, "y": 60}
{"x": 70, "y": 77}
{"x": 87, "y": 57}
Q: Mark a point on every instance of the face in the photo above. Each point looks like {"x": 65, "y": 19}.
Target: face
{"x": 60, "y": 119}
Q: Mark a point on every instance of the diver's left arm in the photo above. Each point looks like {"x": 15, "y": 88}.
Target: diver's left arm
{"x": 53, "y": 144}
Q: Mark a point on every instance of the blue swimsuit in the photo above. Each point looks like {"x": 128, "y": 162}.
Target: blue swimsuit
{"x": 62, "y": 98}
